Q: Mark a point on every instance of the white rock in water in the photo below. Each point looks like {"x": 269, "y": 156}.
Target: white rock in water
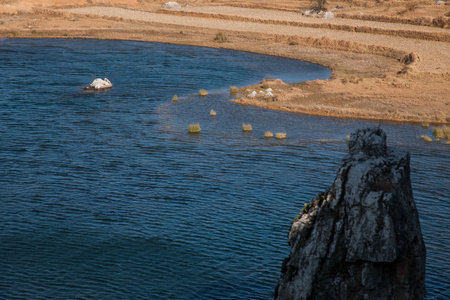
{"x": 172, "y": 5}
{"x": 100, "y": 84}
{"x": 328, "y": 15}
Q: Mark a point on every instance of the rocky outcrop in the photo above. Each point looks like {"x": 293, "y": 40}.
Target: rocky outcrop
{"x": 361, "y": 239}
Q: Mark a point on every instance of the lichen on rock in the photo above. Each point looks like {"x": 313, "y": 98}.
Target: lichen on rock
{"x": 361, "y": 239}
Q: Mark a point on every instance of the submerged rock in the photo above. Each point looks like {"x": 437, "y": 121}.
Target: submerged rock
{"x": 100, "y": 84}
{"x": 361, "y": 239}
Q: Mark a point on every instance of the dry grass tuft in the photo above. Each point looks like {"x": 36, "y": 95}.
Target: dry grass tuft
{"x": 175, "y": 98}
{"x": 233, "y": 90}
{"x": 280, "y": 135}
{"x": 203, "y": 92}
{"x": 194, "y": 128}
{"x": 268, "y": 134}
{"x": 212, "y": 113}
{"x": 247, "y": 127}
{"x": 438, "y": 133}
{"x": 221, "y": 37}
{"x": 425, "y": 125}
{"x": 446, "y": 130}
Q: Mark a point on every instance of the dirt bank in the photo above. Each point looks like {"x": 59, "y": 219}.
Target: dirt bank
{"x": 375, "y": 76}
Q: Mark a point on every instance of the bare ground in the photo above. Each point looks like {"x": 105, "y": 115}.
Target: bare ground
{"x": 373, "y": 77}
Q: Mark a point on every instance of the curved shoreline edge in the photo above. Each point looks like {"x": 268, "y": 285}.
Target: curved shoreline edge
{"x": 368, "y": 81}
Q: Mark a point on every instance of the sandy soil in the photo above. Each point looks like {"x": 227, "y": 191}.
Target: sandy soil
{"x": 375, "y": 76}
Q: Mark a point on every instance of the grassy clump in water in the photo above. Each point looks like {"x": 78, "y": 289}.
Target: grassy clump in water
{"x": 175, "y": 98}
{"x": 203, "y": 92}
{"x": 212, "y": 113}
{"x": 247, "y": 127}
{"x": 233, "y": 90}
{"x": 280, "y": 135}
{"x": 446, "y": 130}
{"x": 268, "y": 134}
{"x": 194, "y": 128}
{"x": 426, "y": 138}
{"x": 438, "y": 133}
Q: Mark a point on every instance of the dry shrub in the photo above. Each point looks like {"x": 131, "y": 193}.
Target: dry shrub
{"x": 247, "y": 127}
{"x": 221, "y": 37}
{"x": 268, "y": 134}
{"x": 423, "y": 21}
{"x": 438, "y": 133}
{"x": 233, "y": 90}
{"x": 194, "y": 128}
{"x": 280, "y": 135}
{"x": 426, "y": 138}
{"x": 411, "y": 6}
{"x": 203, "y": 92}
{"x": 410, "y": 58}
{"x": 441, "y": 22}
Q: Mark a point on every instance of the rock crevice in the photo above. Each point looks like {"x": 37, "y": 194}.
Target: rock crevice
{"x": 361, "y": 239}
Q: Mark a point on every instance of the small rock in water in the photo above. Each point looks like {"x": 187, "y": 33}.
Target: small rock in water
{"x": 100, "y": 84}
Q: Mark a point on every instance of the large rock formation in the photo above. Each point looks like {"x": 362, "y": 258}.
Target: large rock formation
{"x": 362, "y": 238}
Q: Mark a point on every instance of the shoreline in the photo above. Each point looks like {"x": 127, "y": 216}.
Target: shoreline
{"x": 374, "y": 86}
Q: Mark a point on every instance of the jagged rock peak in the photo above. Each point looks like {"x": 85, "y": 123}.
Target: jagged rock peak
{"x": 369, "y": 142}
{"x": 360, "y": 239}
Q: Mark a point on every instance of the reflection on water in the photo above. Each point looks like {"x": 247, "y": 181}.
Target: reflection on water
{"x": 106, "y": 195}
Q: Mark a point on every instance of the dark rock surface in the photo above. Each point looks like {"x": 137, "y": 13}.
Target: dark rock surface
{"x": 362, "y": 238}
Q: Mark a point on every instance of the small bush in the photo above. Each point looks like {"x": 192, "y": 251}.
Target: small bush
{"x": 438, "y": 133}
{"x": 280, "y": 135}
{"x": 233, "y": 90}
{"x": 268, "y": 134}
{"x": 194, "y": 128}
{"x": 203, "y": 92}
{"x": 411, "y": 6}
{"x": 221, "y": 37}
{"x": 440, "y": 22}
{"x": 175, "y": 98}
{"x": 247, "y": 127}
{"x": 318, "y": 5}
{"x": 446, "y": 130}
{"x": 212, "y": 113}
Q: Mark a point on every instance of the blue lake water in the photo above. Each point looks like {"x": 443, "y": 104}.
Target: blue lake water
{"x": 106, "y": 196}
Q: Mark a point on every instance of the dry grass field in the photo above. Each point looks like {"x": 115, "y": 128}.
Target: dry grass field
{"x": 390, "y": 59}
